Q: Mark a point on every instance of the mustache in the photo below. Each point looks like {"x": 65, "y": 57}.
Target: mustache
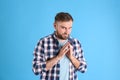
{"x": 65, "y": 34}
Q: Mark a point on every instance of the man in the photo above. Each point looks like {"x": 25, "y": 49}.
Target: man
{"x": 58, "y": 56}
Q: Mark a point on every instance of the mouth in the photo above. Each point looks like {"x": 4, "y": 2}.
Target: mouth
{"x": 65, "y": 35}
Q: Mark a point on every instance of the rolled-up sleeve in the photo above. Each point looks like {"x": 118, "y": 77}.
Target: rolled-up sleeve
{"x": 83, "y": 66}
{"x": 80, "y": 56}
{"x": 39, "y": 63}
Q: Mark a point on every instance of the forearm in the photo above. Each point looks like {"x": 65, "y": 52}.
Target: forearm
{"x": 80, "y": 65}
{"x": 50, "y": 63}
{"x": 75, "y": 62}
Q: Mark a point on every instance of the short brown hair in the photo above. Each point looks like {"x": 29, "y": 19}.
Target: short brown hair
{"x": 62, "y": 16}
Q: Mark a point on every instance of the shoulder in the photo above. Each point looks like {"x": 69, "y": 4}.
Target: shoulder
{"x": 44, "y": 39}
{"x": 75, "y": 41}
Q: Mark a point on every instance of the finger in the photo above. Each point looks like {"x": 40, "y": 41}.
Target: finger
{"x": 66, "y": 50}
{"x": 70, "y": 46}
{"x": 65, "y": 45}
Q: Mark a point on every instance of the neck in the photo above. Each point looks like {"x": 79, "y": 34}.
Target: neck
{"x": 61, "y": 40}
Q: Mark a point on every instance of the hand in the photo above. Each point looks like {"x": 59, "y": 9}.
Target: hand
{"x": 63, "y": 50}
{"x": 69, "y": 54}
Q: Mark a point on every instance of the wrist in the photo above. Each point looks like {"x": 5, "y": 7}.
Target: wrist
{"x": 71, "y": 57}
{"x": 57, "y": 58}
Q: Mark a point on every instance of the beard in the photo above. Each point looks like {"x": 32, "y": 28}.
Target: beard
{"x": 62, "y": 36}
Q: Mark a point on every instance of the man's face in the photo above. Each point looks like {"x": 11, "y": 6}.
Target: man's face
{"x": 63, "y": 29}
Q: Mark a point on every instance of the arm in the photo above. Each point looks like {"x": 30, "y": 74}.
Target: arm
{"x": 78, "y": 61}
{"x": 75, "y": 62}
{"x": 40, "y": 64}
{"x": 83, "y": 65}
{"x": 50, "y": 63}
{"x": 79, "y": 64}
{"x": 69, "y": 54}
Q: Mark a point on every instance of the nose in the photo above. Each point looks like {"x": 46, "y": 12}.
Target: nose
{"x": 67, "y": 31}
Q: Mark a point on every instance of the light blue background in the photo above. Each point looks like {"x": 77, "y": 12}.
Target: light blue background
{"x": 96, "y": 25}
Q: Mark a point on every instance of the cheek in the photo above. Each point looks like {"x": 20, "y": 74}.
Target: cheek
{"x": 61, "y": 31}
{"x": 70, "y": 31}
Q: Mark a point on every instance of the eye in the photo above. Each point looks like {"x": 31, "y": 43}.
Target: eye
{"x": 70, "y": 28}
{"x": 63, "y": 27}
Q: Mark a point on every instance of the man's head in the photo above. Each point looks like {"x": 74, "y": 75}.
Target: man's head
{"x": 63, "y": 25}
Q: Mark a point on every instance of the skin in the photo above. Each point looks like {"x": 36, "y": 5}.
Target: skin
{"x": 63, "y": 30}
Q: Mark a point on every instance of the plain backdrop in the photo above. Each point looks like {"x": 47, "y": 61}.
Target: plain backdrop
{"x": 96, "y": 25}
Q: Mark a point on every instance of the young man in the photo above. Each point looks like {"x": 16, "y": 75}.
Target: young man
{"x": 58, "y": 56}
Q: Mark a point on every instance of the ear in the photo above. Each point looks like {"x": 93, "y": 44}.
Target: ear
{"x": 55, "y": 26}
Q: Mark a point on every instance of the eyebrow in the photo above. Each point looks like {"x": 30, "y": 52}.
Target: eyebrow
{"x": 65, "y": 27}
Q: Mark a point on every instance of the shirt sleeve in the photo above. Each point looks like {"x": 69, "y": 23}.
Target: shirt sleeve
{"x": 83, "y": 65}
{"x": 39, "y": 63}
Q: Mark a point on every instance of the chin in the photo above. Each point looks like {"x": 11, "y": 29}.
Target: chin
{"x": 65, "y": 38}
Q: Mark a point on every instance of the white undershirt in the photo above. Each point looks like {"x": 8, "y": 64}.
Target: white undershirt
{"x": 64, "y": 64}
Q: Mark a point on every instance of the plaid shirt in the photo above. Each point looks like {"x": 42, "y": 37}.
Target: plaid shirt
{"x": 47, "y": 48}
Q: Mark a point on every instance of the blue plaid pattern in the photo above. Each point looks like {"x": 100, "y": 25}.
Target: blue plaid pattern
{"x": 47, "y": 48}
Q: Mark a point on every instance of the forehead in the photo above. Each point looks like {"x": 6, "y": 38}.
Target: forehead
{"x": 65, "y": 23}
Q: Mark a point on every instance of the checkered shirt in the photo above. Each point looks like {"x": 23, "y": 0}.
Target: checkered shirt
{"x": 47, "y": 48}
